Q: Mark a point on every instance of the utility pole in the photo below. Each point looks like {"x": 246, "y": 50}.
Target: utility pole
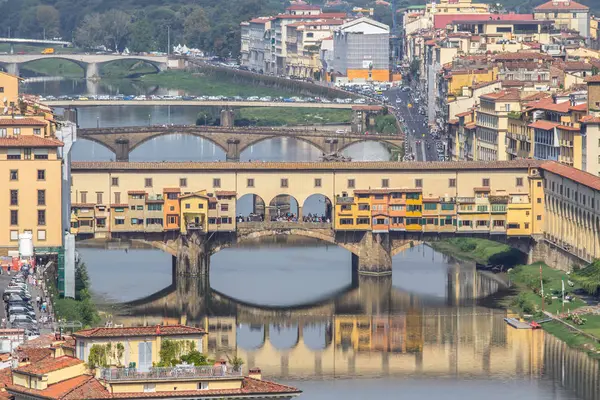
{"x": 168, "y": 39}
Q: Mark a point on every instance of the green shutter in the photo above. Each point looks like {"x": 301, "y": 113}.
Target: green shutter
{"x": 454, "y": 221}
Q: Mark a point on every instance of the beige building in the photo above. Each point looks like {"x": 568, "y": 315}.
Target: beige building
{"x": 565, "y": 15}
{"x": 492, "y": 124}
{"x": 30, "y": 173}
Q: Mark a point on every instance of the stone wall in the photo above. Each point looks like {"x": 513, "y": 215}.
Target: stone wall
{"x": 294, "y": 86}
{"x": 554, "y": 256}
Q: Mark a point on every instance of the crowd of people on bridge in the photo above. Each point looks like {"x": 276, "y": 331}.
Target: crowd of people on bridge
{"x": 286, "y": 217}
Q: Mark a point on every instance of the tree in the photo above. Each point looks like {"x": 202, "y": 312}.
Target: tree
{"x": 48, "y": 19}
{"x": 116, "y": 26}
{"x": 194, "y": 28}
{"x": 90, "y": 32}
{"x": 142, "y": 37}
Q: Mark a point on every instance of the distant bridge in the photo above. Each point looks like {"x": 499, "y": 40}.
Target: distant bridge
{"x": 88, "y": 62}
{"x": 33, "y": 41}
{"x": 232, "y": 141}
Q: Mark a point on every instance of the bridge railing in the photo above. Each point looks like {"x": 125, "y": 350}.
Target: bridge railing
{"x": 168, "y": 373}
{"x": 267, "y": 225}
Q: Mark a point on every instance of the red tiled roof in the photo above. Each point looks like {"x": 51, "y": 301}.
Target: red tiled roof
{"x": 464, "y": 114}
{"x": 48, "y": 364}
{"x": 29, "y": 141}
{"x": 545, "y": 125}
{"x": 579, "y": 107}
{"x": 577, "y": 175}
{"x": 21, "y": 122}
{"x": 506, "y": 95}
{"x": 590, "y": 119}
{"x": 157, "y": 330}
{"x": 33, "y": 354}
{"x": 594, "y": 79}
{"x": 471, "y": 125}
{"x": 81, "y": 166}
{"x": 568, "y": 128}
{"x": 441, "y": 21}
{"x": 549, "y": 104}
{"x": 554, "y": 5}
{"x": 520, "y": 56}
{"x": 88, "y": 387}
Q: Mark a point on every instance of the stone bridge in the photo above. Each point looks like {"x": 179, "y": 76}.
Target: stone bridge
{"x": 88, "y": 62}
{"x": 371, "y": 252}
{"x": 232, "y": 141}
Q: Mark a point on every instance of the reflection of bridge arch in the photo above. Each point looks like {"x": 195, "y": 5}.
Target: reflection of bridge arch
{"x": 206, "y": 137}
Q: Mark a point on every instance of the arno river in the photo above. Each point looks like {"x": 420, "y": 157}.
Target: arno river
{"x": 297, "y": 312}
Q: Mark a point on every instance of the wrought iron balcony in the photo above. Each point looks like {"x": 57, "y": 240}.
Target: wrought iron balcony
{"x": 169, "y": 373}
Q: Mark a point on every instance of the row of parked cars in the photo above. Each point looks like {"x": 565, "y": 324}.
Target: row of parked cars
{"x": 121, "y": 97}
{"x": 19, "y": 310}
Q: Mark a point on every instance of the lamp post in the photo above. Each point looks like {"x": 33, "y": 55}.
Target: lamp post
{"x": 168, "y": 39}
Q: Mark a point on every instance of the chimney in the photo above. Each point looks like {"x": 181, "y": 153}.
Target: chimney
{"x": 255, "y": 373}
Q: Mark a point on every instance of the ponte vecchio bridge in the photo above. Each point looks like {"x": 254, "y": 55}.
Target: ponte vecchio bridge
{"x": 232, "y": 141}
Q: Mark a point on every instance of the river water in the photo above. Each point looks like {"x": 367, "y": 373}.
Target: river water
{"x": 174, "y": 147}
{"x": 297, "y": 311}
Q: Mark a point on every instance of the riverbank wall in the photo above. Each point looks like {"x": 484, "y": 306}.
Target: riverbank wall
{"x": 247, "y": 77}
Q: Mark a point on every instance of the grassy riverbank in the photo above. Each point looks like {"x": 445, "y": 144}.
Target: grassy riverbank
{"x": 265, "y": 116}
{"x": 479, "y": 250}
{"x": 199, "y": 85}
{"x": 525, "y": 294}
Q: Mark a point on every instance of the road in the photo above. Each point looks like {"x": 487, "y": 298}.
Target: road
{"x": 418, "y": 138}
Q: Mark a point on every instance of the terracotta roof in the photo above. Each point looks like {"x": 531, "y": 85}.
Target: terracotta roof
{"x": 136, "y": 192}
{"x": 471, "y": 125}
{"x": 124, "y": 205}
{"x": 506, "y": 95}
{"x": 157, "y": 330}
{"x": 40, "y": 341}
{"x": 5, "y": 380}
{"x": 590, "y": 119}
{"x": 520, "y": 56}
{"x": 33, "y": 354}
{"x": 171, "y": 190}
{"x": 48, "y": 364}
{"x": 82, "y": 166}
{"x": 575, "y": 66}
{"x": 545, "y": 125}
{"x": 88, "y": 387}
{"x": 568, "y": 128}
{"x": 554, "y": 5}
{"x": 317, "y": 23}
{"x": 594, "y": 79}
{"x": 579, "y": 107}
{"x": 194, "y": 195}
{"x": 464, "y": 114}
{"x": 21, "y": 122}
{"x": 577, "y": 175}
{"x": 225, "y": 193}
{"x": 29, "y": 141}
{"x": 549, "y": 104}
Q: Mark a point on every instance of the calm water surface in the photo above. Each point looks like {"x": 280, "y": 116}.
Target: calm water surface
{"x": 420, "y": 334}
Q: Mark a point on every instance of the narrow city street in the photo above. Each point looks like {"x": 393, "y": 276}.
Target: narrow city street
{"x": 418, "y": 138}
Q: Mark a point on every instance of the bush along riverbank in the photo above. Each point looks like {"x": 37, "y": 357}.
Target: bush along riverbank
{"x": 576, "y": 321}
{"x": 81, "y": 308}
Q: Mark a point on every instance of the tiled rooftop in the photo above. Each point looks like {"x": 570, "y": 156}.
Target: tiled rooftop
{"x": 48, "y": 364}
{"x": 545, "y": 125}
{"x": 555, "y": 5}
{"x": 21, "y": 122}
{"x": 29, "y": 141}
{"x": 158, "y": 330}
{"x": 81, "y": 166}
{"x": 89, "y": 388}
{"x": 577, "y": 175}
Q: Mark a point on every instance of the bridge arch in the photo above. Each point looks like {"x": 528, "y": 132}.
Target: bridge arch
{"x": 82, "y": 65}
{"x": 250, "y": 204}
{"x": 283, "y": 205}
{"x": 318, "y": 204}
{"x": 100, "y": 142}
{"x": 209, "y": 138}
{"x": 156, "y": 65}
{"x": 315, "y": 143}
{"x": 369, "y": 139}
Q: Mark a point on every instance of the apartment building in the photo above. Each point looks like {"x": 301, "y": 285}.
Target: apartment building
{"x": 565, "y": 15}
{"x": 492, "y": 124}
